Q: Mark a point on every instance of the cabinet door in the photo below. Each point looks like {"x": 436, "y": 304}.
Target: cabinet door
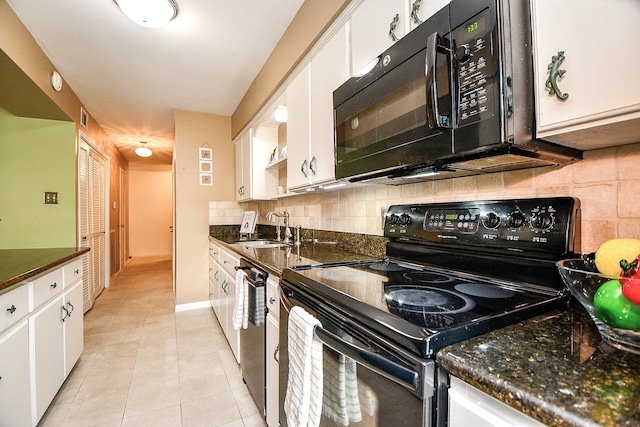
{"x": 15, "y": 392}
{"x": 243, "y": 166}
{"x": 298, "y": 131}
{"x": 73, "y": 327}
{"x": 598, "y": 77}
{"x": 469, "y": 406}
{"x": 370, "y": 24}
{"x": 329, "y": 69}
{"x": 47, "y": 353}
{"x": 272, "y": 367}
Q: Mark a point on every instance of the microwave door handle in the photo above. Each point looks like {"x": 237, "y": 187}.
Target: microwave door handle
{"x": 393, "y": 371}
{"x": 433, "y": 111}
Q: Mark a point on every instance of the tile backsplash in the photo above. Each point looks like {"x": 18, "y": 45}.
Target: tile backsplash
{"x": 606, "y": 181}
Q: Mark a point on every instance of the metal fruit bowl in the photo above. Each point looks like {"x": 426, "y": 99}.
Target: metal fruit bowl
{"x": 583, "y": 280}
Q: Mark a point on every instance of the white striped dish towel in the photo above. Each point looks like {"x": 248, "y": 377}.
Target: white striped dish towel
{"x": 303, "y": 398}
{"x": 241, "y": 305}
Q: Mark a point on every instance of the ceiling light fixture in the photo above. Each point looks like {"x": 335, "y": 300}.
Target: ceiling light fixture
{"x": 143, "y": 150}
{"x": 149, "y": 13}
{"x": 281, "y": 114}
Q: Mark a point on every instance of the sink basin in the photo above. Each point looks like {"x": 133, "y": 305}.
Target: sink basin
{"x": 263, "y": 244}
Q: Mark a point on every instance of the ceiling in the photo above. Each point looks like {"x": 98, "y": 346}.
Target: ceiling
{"x": 131, "y": 78}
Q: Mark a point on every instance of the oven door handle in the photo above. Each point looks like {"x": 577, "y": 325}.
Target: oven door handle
{"x": 395, "y": 372}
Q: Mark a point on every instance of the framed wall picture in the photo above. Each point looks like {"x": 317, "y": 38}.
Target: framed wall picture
{"x": 206, "y": 166}
{"x": 205, "y": 153}
{"x": 206, "y": 179}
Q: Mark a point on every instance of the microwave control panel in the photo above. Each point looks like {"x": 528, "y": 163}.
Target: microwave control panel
{"x": 477, "y": 69}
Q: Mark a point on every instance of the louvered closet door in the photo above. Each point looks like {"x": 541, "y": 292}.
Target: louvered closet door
{"x": 91, "y": 182}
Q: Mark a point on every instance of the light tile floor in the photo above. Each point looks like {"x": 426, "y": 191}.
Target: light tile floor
{"x": 146, "y": 365}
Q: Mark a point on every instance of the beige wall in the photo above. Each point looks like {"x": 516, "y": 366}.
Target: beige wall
{"x": 194, "y": 130}
{"x": 606, "y": 182}
{"x": 150, "y": 211}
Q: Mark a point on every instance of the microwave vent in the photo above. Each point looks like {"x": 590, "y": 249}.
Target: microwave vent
{"x": 504, "y": 161}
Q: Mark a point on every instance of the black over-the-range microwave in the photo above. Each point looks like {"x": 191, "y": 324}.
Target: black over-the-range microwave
{"x": 453, "y": 97}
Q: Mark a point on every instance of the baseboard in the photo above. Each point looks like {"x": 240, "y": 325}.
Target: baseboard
{"x": 193, "y": 306}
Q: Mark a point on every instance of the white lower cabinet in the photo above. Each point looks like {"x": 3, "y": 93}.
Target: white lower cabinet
{"x": 41, "y": 339}
{"x": 15, "y": 391}
{"x": 223, "y": 294}
{"x": 272, "y": 353}
{"x": 56, "y": 342}
{"x": 469, "y": 406}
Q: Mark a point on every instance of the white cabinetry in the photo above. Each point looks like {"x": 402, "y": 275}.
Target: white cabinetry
{"x": 15, "y": 392}
{"x": 603, "y": 104}
{"x": 223, "y": 292}
{"x": 253, "y": 151}
{"x": 41, "y": 339}
{"x": 272, "y": 352}
{"x": 55, "y": 340}
{"x": 370, "y": 29}
{"x": 469, "y": 406}
{"x": 310, "y": 105}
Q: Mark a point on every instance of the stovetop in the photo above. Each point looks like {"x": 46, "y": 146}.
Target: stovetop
{"x": 454, "y": 271}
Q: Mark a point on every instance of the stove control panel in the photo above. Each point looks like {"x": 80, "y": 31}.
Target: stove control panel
{"x": 549, "y": 225}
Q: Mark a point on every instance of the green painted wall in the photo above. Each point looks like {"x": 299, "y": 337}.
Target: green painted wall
{"x": 36, "y": 156}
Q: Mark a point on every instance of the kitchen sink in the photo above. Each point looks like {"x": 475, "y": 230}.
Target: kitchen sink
{"x": 263, "y": 244}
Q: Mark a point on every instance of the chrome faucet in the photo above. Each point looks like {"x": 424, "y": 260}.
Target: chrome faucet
{"x": 287, "y": 230}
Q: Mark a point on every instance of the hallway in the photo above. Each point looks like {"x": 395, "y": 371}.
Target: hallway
{"x": 146, "y": 365}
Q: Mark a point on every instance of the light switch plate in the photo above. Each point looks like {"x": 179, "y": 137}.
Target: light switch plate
{"x": 50, "y": 198}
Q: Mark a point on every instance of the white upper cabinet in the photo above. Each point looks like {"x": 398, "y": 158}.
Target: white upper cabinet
{"x": 298, "y": 131}
{"x": 595, "y": 99}
{"x": 329, "y": 69}
{"x": 252, "y": 157}
{"x": 371, "y": 27}
{"x": 310, "y": 106}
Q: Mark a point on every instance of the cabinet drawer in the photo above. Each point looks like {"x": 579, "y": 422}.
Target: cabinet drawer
{"x": 273, "y": 297}
{"x": 72, "y": 272}
{"x": 214, "y": 251}
{"x": 229, "y": 262}
{"x": 14, "y": 305}
{"x": 47, "y": 286}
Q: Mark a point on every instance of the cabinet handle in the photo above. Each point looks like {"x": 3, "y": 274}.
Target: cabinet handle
{"x": 313, "y": 160}
{"x": 72, "y": 307}
{"x": 66, "y": 313}
{"x": 414, "y": 12}
{"x": 54, "y": 285}
{"x": 392, "y": 28}
{"x": 302, "y": 168}
{"x": 554, "y": 74}
{"x": 12, "y": 309}
{"x": 275, "y": 353}
{"x": 216, "y": 275}
{"x": 77, "y": 271}
{"x": 272, "y": 300}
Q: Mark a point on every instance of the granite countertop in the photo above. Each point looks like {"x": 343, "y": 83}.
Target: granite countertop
{"x": 18, "y": 265}
{"x": 326, "y": 248}
{"x": 555, "y": 368}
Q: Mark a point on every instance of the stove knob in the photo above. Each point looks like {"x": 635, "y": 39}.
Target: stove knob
{"x": 516, "y": 219}
{"x": 542, "y": 221}
{"x": 394, "y": 219}
{"x": 405, "y": 219}
{"x": 491, "y": 220}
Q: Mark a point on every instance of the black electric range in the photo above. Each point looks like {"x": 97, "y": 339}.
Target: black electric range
{"x": 453, "y": 270}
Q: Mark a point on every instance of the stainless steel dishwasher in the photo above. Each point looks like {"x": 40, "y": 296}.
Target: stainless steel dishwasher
{"x": 252, "y": 339}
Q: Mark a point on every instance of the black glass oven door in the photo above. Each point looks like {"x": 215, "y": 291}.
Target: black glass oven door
{"x": 355, "y": 393}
